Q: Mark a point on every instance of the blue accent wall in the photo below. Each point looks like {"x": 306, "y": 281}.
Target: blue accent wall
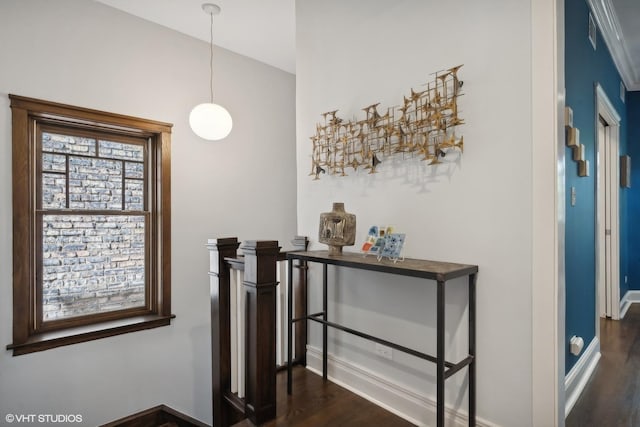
{"x": 633, "y": 200}
{"x": 584, "y": 67}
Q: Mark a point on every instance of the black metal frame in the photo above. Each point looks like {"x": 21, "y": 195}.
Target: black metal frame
{"x": 438, "y": 271}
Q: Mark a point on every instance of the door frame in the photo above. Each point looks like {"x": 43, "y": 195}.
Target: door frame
{"x": 548, "y": 177}
{"x": 607, "y": 198}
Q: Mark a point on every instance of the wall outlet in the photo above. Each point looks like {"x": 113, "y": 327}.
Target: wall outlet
{"x": 384, "y": 351}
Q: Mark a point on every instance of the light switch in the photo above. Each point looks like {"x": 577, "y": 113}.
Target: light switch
{"x": 573, "y": 196}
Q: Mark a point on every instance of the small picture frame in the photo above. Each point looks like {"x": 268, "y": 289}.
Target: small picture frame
{"x": 593, "y": 31}
{"x": 383, "y": 242}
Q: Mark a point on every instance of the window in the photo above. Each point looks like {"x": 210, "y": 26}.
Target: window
{"x": 91, "y": 224}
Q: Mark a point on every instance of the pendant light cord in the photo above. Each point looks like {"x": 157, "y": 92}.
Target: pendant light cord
{"x": 211, "y": 60}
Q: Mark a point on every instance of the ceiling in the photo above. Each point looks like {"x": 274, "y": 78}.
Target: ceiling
{"x": 260, "y": 29}
{"x": 265, "y": 29}
{"x": 618, "y": 21}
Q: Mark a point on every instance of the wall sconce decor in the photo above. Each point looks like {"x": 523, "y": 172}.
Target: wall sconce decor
{"x": 583, "y": 167}
{"x": 572, "y": 138}
{"x": 424, "y": 125}
{"x": 625, "y": 171}
{"x": 578, "y": 152}
{"x": 208, "y": 120}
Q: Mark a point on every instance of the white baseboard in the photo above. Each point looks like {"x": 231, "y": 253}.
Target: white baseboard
{"x": 576, "y": 379}
{"x": 413, "y": 407}
{"x": 631, "y": 297}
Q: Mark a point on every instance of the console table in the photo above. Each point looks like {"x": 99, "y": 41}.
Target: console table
{"x": 440, "y": 272}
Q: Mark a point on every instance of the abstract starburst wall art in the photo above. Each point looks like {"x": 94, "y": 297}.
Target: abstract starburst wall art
{"x": 424, "y": 126}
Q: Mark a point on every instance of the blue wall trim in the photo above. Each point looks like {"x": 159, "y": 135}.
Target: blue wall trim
{"x": 584, "y": 68}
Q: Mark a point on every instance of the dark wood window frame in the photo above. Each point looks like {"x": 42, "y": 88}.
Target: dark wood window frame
{"x": 28, "y": 115}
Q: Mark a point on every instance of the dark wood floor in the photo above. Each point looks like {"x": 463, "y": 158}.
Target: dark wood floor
{"x": 612, "y": 396}
{"x": 318, "y": 403}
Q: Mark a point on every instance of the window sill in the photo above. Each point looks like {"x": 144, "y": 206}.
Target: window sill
{"x": 48, "y": 340}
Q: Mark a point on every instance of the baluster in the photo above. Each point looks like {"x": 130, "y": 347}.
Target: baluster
{"x": 234, "y": 314}
{"x": 242, "y": 308}
{"x": 280, "y": 318}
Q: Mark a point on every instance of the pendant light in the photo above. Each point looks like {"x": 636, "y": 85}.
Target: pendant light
{"x": 208, "y": 120}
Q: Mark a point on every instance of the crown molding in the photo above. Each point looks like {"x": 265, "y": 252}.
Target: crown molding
{"x": 609, "y": 26}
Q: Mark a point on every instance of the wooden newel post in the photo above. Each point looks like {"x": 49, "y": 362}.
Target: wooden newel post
{"x": 219, "y": 279}
{"x": 260, "y": 288}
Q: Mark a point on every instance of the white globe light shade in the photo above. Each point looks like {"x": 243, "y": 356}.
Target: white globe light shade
{"x": 210, "y": 121}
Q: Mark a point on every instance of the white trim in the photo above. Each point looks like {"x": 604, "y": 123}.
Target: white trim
{"x": 607, "y": 21}
{"x": 610, "y": 154}
{"x": 413, "y": 406}
{"x": 604, "y": 101}
{"x": 593, "y": 31}
{"x": 631, "y": 297}
{"x": 576, "y": 379}
{"x": 548, "y": 217}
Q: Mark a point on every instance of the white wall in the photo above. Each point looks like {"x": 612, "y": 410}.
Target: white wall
{"x": 476, "y": 210}
{"x": 87, "y": 54}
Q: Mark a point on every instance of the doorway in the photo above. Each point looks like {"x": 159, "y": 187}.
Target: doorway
{"x": 607, "y": 216}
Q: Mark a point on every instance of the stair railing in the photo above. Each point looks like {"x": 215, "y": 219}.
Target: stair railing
{"x": 248, "y": 323}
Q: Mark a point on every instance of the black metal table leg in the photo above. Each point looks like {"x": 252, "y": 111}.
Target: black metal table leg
{"x": 440, "y": 356}
{"x": 472, "y": 350}
{"x": 324, "y": 326}
{"x": 289, "y": 323}
{"x": 416, "y": 268}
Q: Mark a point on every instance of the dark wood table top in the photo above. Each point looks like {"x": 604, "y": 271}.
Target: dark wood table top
{"x": 426, "y": 269}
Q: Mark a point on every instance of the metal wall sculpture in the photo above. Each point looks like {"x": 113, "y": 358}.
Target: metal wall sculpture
{"x": 424, "y": 125}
